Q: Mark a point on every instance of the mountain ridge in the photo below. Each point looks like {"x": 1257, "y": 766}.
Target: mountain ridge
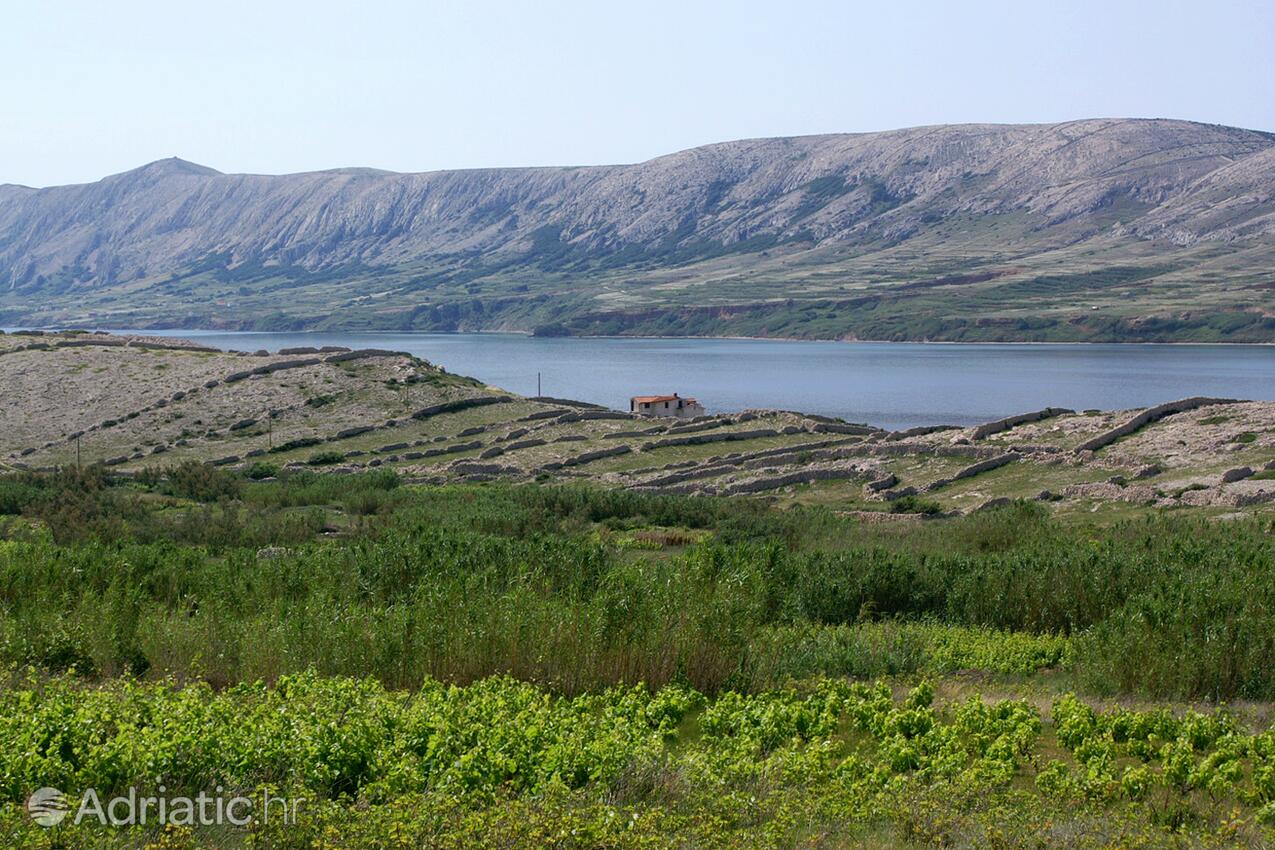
{"x": 700, "y": 227}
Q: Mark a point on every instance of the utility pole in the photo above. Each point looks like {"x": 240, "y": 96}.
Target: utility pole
{"x": 77, "y": 452}
{"x": 538, "y": 384}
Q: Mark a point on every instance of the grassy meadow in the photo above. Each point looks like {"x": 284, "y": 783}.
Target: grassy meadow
{"x": 560, "y": 666}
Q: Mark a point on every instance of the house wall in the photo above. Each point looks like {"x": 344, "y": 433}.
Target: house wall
{"x": 675, "y": 409}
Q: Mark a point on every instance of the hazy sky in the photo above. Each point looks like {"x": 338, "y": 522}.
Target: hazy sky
{"x": 89, "y": 88}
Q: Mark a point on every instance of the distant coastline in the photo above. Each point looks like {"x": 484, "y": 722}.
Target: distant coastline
{"x": 166, "y": 330}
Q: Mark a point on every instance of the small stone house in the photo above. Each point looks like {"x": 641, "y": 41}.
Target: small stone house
{"x": 666, "y": 405}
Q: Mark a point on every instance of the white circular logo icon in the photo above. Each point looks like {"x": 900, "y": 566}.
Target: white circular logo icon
{"x": 48, "y": 806}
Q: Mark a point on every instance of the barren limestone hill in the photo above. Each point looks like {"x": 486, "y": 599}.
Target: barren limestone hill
{"x": 137, "y": 402}
{"x": 1164, "y": 225}
{"x": 128, "y": 401}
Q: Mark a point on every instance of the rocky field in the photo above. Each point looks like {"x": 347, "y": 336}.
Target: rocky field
{"x": 137, "y": 402}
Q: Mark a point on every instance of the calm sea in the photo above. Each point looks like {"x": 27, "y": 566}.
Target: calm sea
{"x": 893, "y": 385}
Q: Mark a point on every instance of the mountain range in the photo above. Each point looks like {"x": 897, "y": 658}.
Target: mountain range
{"x": 1119, "y": 229}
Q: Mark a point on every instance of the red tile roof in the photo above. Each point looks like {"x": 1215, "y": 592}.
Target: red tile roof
{"x": 651, "y": 399}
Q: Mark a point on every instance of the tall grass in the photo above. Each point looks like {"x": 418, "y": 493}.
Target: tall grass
{"x": 461, "y": 583}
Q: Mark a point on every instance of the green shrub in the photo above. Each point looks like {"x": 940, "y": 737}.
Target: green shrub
{"x": 16, "y": 495}
{"x": 201, "y": 482}
{"x": 892, "y": 647}
{"x": 559, "y": 585}
{"x": 261, "y": 470}
{"x": 915, "y": 505}
{"x": 298, "y": 443}
{"x": 325, "y": 458}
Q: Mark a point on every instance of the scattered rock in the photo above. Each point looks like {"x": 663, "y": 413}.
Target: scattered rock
{"x": 990, "y": 428}
{"x": 919, "y": 431}
{"x": 883, "y": 483}
{"x": 1146, "y": 417}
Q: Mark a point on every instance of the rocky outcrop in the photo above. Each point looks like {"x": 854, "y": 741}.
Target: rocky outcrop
{"x": 590, "y": 415}
{"x": 841, "y": 428}
{"x": 566, "y": 402}
{"x": 459, "y": 404}
{"x": 1219, "y": 497}
{"x": 884, "y": 483}
{"x": 1108, "y": 492}
{"x": 919, "y": 431}
{"x": 1146, "y": 417}
{"x": 700, "y": 439}
{"x": 976, "y": 469}
{"x": 587, "y": 457}
{"x": 363, "y": 354}
{"x": 805, "y": 475}
{"x": 703, "y": 425}
{"x": 988, "y": 429}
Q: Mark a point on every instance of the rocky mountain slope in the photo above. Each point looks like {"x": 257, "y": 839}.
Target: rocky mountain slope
{"x": 727, "y": 225}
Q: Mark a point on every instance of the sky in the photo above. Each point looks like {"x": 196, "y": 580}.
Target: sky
{"x": 273, "y": 86}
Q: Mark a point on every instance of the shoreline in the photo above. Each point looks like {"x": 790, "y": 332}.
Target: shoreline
{"x": 176, "y": 332}
{"x": 903, "y": 388}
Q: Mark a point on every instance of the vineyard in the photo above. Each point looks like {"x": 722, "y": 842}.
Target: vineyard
{"x": 555, "y": 666}
{"x": 501, "y": 763}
